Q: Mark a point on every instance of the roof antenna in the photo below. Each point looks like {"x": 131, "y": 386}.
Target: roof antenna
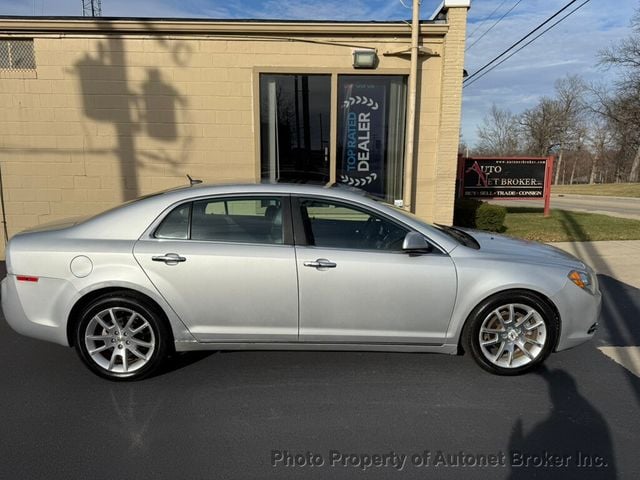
{"x": 193, "y": 181}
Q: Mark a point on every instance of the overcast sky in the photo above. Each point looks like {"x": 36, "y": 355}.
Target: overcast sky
{"x": 570, "y": 48}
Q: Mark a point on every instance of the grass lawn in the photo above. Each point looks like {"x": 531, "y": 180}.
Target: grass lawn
{"x": 610, "y": 189}
{"x": 565, "y": 226}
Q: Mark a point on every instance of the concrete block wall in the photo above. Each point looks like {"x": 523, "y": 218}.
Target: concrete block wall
{"x": 108, "y": 116}
{"x": 440, "y": 114}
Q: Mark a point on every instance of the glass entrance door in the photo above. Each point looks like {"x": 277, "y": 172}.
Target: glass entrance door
{"x": 295, "y": 113}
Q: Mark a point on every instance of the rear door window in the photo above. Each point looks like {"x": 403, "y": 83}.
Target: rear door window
{"x": 242, "y": 220}
{"x": 175, "y": 226}
{"x": 238, "y": 219}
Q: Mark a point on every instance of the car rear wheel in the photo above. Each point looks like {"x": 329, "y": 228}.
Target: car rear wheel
{"x": 511, "y": 333}
{"x": 121, "y": 337}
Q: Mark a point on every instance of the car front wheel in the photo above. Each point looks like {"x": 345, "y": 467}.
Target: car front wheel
{"x": 120, "y": 337}
{"x": 511, "y": 333}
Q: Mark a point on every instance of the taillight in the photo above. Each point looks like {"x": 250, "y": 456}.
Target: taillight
{"x": 26, "y": 278}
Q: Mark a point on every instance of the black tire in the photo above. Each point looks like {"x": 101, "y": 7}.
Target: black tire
{"x": 125, "y": 365}
{"x": 547, "y": 335}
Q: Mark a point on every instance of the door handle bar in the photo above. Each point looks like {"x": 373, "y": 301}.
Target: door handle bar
{"x": 169, "y": 258}
{"x": 321, "y": 263}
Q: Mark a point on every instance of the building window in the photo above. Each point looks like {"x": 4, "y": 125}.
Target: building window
{"x": 371, "y": 130}
{"x": 17, "y": 55}
{"x": 296, "y": 136}
{"x": 295, "y": 115}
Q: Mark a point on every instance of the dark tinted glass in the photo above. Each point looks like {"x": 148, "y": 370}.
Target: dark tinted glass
{"x": 295, "y": 113}
{"x": 334, "y": 225}
{"x": 176, "y": 224}
{"x": 242, "y": 220}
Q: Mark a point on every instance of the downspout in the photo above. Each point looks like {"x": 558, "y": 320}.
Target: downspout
{"x": 411, "y": 110}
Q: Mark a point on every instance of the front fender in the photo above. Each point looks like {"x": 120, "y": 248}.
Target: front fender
{"x": 479, "y": 280}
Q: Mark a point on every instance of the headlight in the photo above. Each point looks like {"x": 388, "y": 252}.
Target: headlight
{"x": 583, "y": 280}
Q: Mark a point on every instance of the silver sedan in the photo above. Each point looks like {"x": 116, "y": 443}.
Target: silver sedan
{"x": 290, "y": 267}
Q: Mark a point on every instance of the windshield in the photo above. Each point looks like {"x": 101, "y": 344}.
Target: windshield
{"x": 455, "y": 234}
{"x": 404, "y": 213}
{"x": 460, "y": 236}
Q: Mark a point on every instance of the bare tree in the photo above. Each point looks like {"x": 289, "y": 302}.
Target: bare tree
{"x": 622, "y": 108}
{"x": 540, "y": 126}
{"x": 599, "y": 139}
{"x": 499, "y": 134}
{"x": 557, "y": 124}
{"x": 594, "y": 131}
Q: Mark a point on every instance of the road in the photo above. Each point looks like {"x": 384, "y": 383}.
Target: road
{"x": 226, "y": 415}
{"x": 613, "y": 206}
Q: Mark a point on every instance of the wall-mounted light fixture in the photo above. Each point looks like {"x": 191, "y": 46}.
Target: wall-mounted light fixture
{"x": 365, "y": 59}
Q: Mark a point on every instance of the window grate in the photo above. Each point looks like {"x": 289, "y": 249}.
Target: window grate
{"x": 17, "y": 55}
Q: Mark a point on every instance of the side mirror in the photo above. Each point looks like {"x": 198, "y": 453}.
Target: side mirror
{"x": 415, "y": 243}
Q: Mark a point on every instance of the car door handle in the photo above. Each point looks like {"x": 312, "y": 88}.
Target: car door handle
{"x": 321, "y": 263}
{"x": 169, "y": 258}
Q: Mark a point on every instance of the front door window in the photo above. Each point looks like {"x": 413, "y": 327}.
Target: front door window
{"x": 334, "y": 225}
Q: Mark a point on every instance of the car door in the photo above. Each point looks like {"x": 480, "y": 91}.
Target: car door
{"x": 227, "y": 268}
{"x": 356, "y": 285}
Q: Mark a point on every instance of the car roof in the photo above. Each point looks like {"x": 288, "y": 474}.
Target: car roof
{"x": 335, "y": 190}
{"x": 132, "y": 219}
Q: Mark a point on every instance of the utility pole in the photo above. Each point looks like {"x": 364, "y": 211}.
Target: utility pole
{"x": 91, "y": 8}
{"x": 411, "y": 114}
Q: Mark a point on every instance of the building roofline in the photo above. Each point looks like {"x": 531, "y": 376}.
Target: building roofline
{"x": 28, "y": 24}
{"x": 202, "y": 19}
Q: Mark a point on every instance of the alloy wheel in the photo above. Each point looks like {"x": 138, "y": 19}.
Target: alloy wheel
{"x": 120, "y": 340}
{"x": 512, "y": 335}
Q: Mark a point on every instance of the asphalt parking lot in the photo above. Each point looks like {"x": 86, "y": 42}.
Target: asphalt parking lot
{"x": 367, "y": 415}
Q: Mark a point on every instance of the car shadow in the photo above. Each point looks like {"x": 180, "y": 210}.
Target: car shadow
{"x": 620, "y": 312}
{"x": 180, "y": 360}
{"x": 620, "y": 302}
{"x": 574, "y": 441}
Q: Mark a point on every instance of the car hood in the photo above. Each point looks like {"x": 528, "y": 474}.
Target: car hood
{"x": 501, "y": 245}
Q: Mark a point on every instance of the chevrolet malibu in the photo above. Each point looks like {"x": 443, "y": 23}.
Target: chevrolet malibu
{"x": 290, "y": 267}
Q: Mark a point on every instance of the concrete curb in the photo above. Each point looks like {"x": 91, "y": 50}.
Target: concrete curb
{"x": 595, "y": 197}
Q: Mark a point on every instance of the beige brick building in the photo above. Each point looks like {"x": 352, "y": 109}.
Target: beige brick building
{"x": 96, "y": 112}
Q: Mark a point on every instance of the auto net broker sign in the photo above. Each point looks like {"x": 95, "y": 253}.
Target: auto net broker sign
{"x": 503, "y": 178}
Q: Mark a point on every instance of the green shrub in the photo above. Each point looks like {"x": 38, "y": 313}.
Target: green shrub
{"x": 490, "y": 217}
{"x": 464, "y": 214}
{"x": 471, "y": 213}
